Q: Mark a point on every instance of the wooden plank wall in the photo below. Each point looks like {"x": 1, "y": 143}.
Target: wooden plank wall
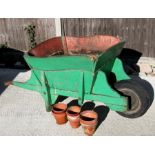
{"x": 138, "y": 33}
{"x": 12, "y": 31}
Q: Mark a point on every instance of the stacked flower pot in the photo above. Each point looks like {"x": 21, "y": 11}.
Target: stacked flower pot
{"x": 87, "y": 119}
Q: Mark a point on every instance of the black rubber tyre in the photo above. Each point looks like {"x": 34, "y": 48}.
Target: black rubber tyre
{"x": 146, "y": 85}
{"x": 138, "y": 99}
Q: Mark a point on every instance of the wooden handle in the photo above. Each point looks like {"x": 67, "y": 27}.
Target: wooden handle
{"x": 8, "y": 83}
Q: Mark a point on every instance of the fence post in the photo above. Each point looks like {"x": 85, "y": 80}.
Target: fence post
{"x": 58, "y": 26}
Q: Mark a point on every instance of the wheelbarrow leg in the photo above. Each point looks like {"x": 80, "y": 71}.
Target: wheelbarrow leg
{"x": 81, "y": 89}
{"x": 46, "y": 91}
{"x": 47, "y": 101}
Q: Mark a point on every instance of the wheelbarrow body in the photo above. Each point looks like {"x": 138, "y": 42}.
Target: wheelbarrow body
{"x": 78, "y": 76}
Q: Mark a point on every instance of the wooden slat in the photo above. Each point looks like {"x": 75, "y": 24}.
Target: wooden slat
{"x": 12, "y": 31}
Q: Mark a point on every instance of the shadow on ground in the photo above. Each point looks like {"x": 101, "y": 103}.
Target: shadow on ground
{"x": 130, "y": 58}
{"x": 7, "y": 75}
{"x": 102, "y": 112}
{"x": 61, "y": 98}
{"x": 10, "y": 59}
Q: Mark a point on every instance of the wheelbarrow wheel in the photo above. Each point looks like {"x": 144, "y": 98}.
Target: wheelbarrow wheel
{"x": 138, "y": 99}
{"x": 146, "y": 85}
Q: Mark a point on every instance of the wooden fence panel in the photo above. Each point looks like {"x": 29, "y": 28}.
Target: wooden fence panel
{"x": 12, "y": 31}
{"x": 138, "y": 33}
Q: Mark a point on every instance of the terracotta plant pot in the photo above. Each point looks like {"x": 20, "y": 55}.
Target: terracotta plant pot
{"x": 88, "y": 120}
{"x": 59, "y": 112}
{"x": 73, "y": 116}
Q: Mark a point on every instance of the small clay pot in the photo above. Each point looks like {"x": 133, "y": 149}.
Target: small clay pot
{"x": 88, "y": 120}
{"x": 73, "y": 116}
{"x": 59, "y": 112}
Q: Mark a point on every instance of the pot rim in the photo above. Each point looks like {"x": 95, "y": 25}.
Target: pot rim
{"x": 89, "y": 122}
{"x": 76, "y": 112}
{"x": 62, "y": 109}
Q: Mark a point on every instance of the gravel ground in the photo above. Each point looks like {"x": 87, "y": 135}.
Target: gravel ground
{"x": 22, "y": 113}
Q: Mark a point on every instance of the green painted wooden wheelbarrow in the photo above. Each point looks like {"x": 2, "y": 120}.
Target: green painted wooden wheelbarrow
{"x": 81, "y": 67}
